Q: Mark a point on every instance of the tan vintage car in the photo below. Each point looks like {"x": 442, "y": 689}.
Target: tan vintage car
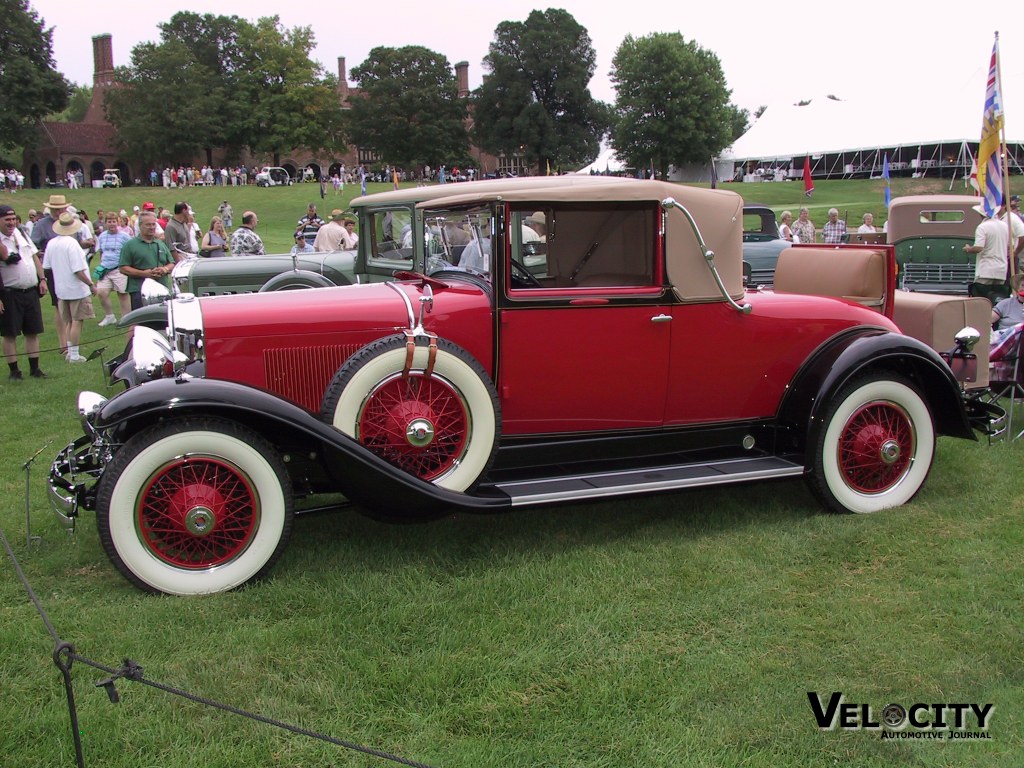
{"x": 930, "y": 232}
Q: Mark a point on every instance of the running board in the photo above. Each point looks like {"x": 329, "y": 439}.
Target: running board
{"x": 649, "y": 480}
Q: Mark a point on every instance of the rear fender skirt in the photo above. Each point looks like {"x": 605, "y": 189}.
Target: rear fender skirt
{"x": 857, "y": 351}
{"x": 360, "y": 475}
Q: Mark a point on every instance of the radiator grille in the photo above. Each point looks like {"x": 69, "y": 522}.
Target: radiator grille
{"x": 302, "y": 374}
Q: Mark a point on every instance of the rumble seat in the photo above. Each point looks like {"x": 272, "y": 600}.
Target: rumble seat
{"x": 854, "y": 274}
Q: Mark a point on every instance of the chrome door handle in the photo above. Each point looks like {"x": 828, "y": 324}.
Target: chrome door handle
{"x": 662, "y": 318}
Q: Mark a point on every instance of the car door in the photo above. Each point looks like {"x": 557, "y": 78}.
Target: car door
{"x": 583, "y": 344}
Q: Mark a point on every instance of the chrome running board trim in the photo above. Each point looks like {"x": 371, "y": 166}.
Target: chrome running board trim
{"x": 648, "y": 480}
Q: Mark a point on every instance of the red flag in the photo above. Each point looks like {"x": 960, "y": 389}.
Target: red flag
{"x": 808, "y": 181}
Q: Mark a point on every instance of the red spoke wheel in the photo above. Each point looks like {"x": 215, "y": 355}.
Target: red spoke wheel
{"x": 441, "y": 426}
{"x": 194, "y": 506}
{"x": 198, "y": 512}
{"x": 875, "y": 448}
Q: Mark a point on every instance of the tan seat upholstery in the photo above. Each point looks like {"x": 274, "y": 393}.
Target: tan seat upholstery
{"x": 853, "y": 274}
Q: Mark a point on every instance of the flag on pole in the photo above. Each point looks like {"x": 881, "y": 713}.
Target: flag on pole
{"x": 885, "y": 176}
{"x": 714, "y": 175}
{"x": 808, "y": 181}
{"x": 974, "y": 174}
{"x": 990, "y": 170}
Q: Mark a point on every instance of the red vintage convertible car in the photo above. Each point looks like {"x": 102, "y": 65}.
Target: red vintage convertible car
{"x": 626, "y": 359}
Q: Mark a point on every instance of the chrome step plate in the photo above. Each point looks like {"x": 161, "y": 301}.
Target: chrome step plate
{"x": 648, "y": 480}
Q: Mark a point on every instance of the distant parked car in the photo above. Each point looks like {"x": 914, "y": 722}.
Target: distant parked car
{"x": 762, "y": 244}
{"x": 930, "y": 232}
{"x": 273, "y": 177}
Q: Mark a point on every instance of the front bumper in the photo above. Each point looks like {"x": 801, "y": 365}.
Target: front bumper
{"x": 76, "y": 469}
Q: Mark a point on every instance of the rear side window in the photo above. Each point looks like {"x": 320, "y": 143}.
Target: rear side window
{"x": 597, "y": 245}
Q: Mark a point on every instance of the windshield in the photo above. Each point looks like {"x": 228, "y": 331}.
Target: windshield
{"x": 459, "y": 240}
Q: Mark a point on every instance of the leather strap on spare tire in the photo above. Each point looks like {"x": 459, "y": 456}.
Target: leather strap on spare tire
{"x": 410, "y": 352}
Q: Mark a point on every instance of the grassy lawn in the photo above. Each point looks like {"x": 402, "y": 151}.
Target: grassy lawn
{"x": 677, "y": 630}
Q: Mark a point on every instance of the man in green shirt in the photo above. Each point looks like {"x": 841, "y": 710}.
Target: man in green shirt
{"x": 145, "y": 256}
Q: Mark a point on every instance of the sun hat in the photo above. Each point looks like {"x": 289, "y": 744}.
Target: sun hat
{"x": 67, "y": 224}
{"x": 337, "y": 215}
{"x": 56, "y": 202}
{"x": 537, "y": 217}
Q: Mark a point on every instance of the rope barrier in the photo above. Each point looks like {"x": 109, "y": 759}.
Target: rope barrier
{"x": 64, "y": 655}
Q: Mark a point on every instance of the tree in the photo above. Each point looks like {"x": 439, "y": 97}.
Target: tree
{"x": 288, "y": 102}
{"x": 536, "y": 99}
{"x": 409, "y": 110}
{"x": 221, "y": 81}
{"x": 164, "y": 108}
{"x": 30, "y": 85}
{"x": 78, "y": 105}
{"x": 672, "y": 103}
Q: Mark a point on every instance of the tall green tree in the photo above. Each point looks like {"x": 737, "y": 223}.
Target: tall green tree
{"x": 408, "y": 108}
{"x": 224, "y": 82}
{"x": 287, "y": 101}
{"x": 30, "y": 85}
{"x": 672, "y": 103}
{"x": 164, "y": 109}
{"x": 536, "y": 98}
{"x": 78, "y": 105}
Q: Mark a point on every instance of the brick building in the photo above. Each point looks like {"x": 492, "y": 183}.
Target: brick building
{"x": 88, "y": 146}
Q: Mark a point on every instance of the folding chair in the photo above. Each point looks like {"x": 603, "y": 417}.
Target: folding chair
{"x": 1006, "y": 374}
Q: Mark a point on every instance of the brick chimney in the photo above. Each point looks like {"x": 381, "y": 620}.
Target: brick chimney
{"x": 462, "y": 76}
{"x": 342, "y": 79}
{"x": 102, "y": 77}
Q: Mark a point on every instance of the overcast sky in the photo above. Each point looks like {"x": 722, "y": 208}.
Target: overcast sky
{"x": 871, "y": 50}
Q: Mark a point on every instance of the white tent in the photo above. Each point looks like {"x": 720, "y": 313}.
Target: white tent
{"x": 606, "y": 162}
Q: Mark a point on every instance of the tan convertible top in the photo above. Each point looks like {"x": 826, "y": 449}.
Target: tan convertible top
{"x": 717, "y": 213}
{"x": 435, "y": 191}
{"x": 909, "y": 216}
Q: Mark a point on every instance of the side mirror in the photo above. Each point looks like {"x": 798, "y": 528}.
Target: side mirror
{"x": 154, "y": 292}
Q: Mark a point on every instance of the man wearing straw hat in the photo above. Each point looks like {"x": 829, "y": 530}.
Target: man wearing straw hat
{"x": 71, "y": 279}
{"x": 22, "y": 277}
{"x": 42, "y": 233}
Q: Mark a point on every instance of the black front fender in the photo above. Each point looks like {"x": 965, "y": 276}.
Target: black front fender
{"x": 862, "y": 350}
{"x": 360, "y": 475}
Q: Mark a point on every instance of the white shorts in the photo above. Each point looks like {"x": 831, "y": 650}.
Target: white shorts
{"x": 114, "y": 281}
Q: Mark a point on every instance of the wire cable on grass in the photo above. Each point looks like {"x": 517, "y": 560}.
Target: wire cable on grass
{"x": 64, "y": 655}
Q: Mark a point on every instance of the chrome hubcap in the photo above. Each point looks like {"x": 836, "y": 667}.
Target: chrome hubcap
{"x": 419, "y": 433}
{"x": 890, "y": 452}
{"x": 199, "y": 521}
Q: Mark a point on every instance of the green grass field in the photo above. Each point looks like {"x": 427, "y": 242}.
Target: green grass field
{"x": 676, "y": 630}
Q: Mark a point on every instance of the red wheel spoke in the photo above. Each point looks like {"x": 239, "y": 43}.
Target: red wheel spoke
{"x": 876, "y": 447}
{"x": 399, "y": 404}
{"x": 197, "y": 513}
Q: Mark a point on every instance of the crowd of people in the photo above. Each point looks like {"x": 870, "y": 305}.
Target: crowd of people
{"x": 59, "y": 253}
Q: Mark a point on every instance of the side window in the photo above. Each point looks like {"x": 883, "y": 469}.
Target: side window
{"x": 601, "y": 245}
{"x": 391, "y": 239}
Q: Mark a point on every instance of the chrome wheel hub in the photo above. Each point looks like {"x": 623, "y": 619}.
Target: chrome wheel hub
{"x": 419, "y": 433}
{"x": 890, "y": 452}
{"x": 199, "y": 521}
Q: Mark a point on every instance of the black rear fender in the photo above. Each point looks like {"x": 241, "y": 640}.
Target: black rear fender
{"x": 857, "y": 352}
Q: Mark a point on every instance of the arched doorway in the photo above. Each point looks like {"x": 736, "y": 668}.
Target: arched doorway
{"x": 126, "y": 177}
{"x": 315, "y": 169}
{"x": 96, "y": 171}
{"x": 51, "y": 175}
{"x": 292, "y": 171}
{"x": 33, "y": 177}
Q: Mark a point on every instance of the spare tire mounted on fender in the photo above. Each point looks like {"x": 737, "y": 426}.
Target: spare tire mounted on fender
{"x": 421, "y": 403}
